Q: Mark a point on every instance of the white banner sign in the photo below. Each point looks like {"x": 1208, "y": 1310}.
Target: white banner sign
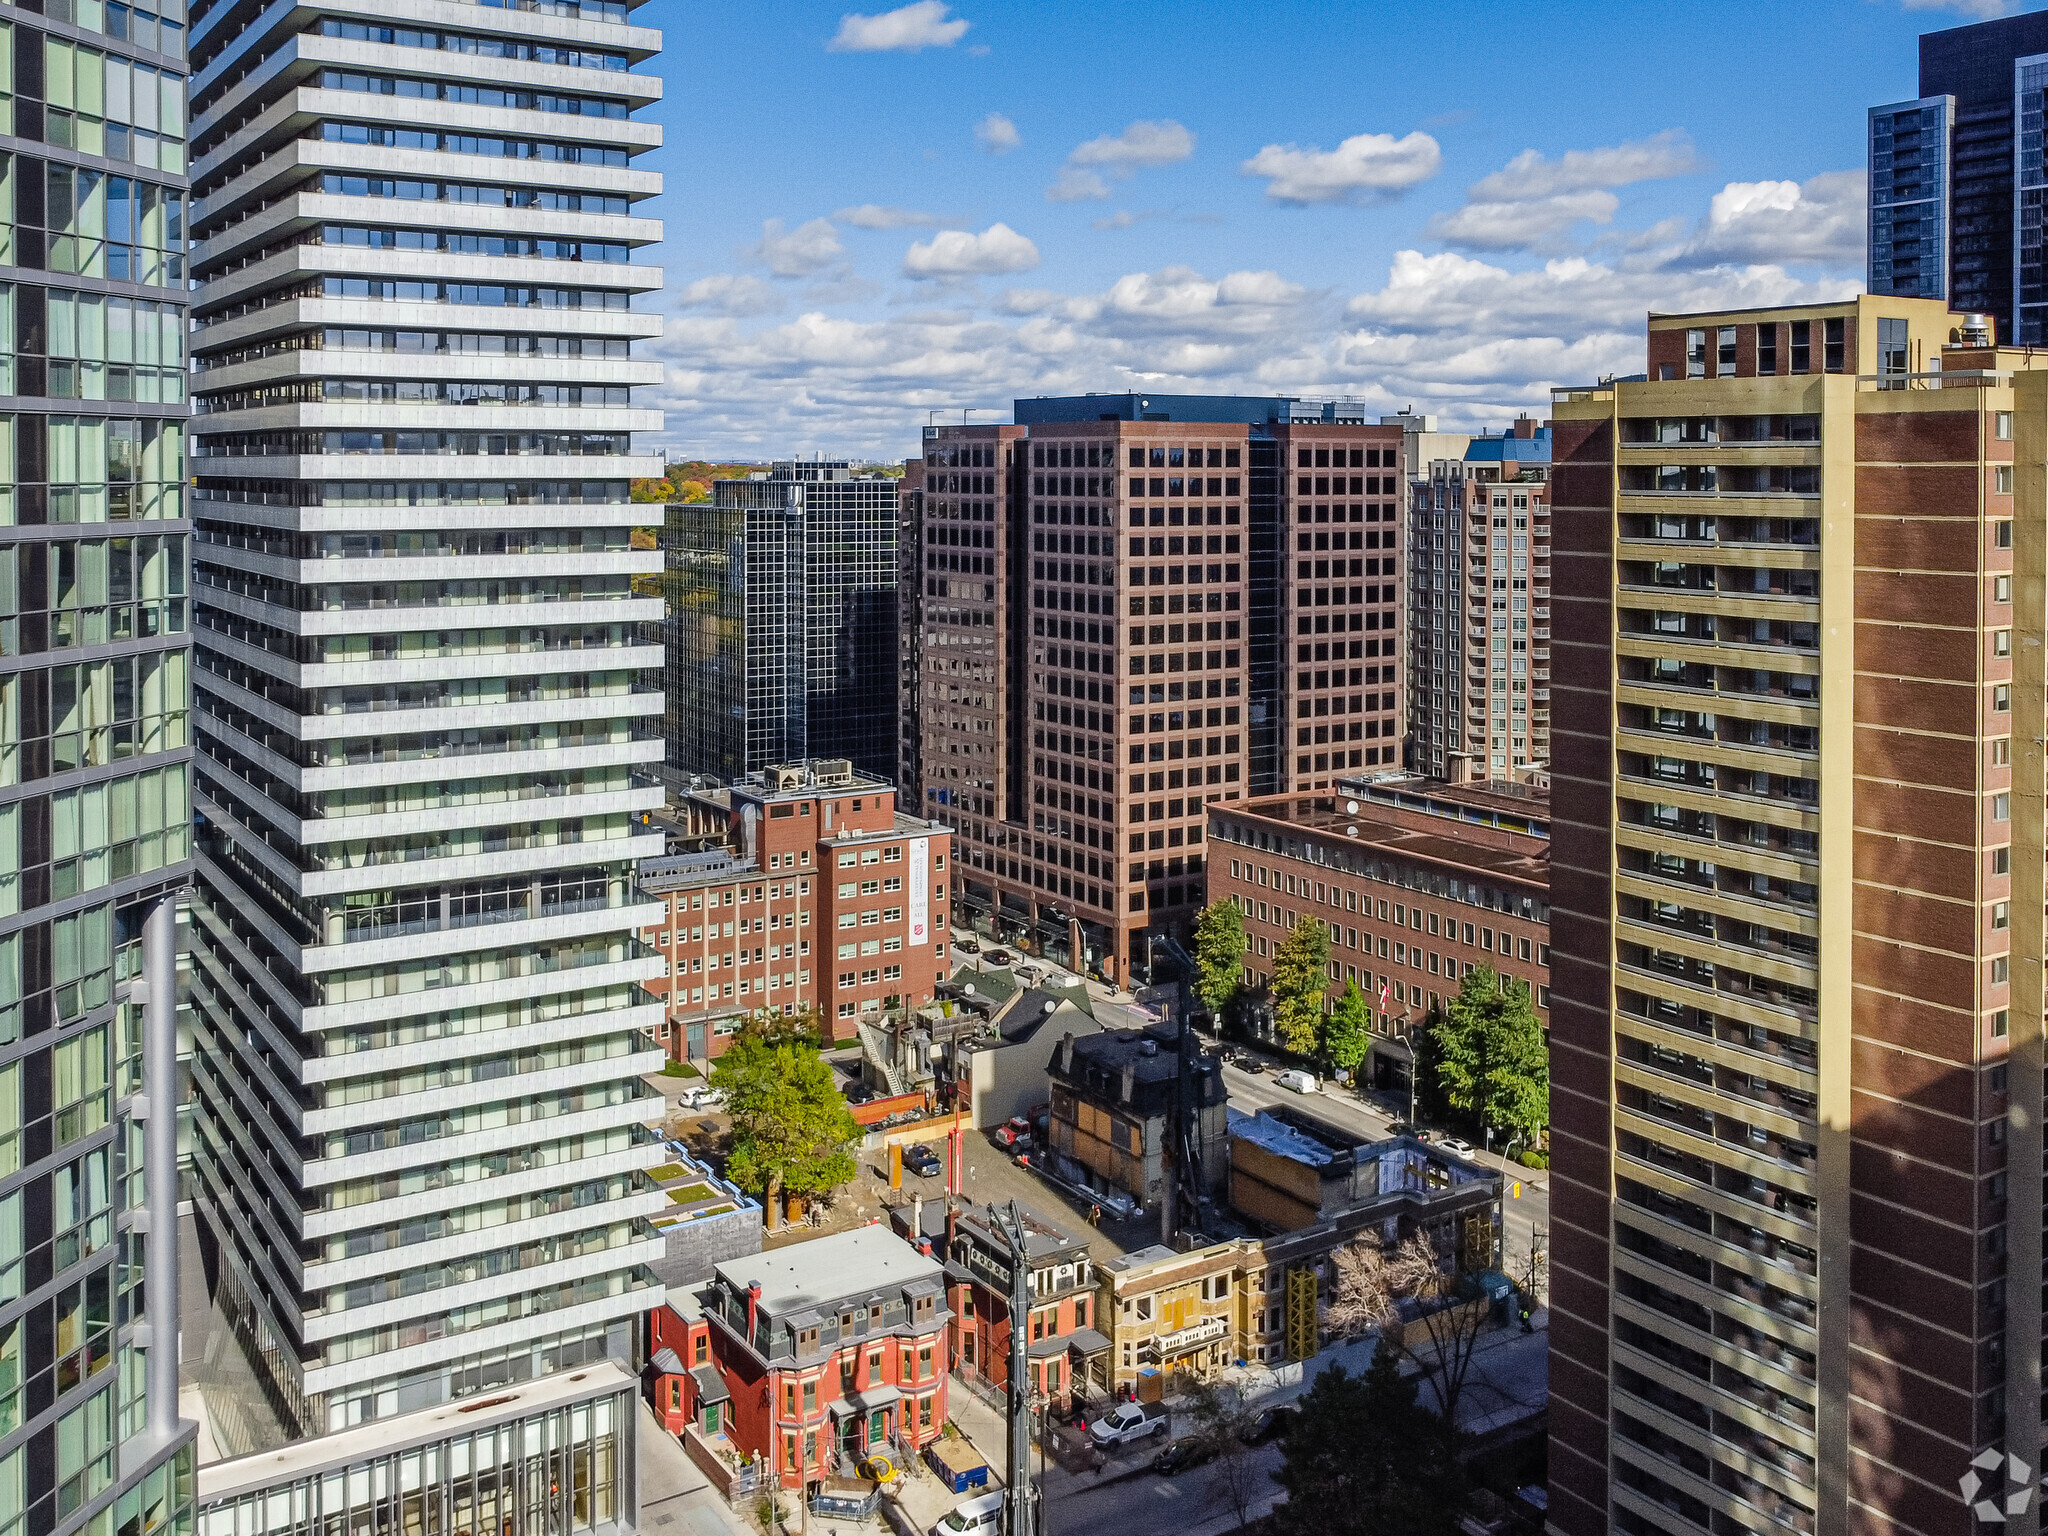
{"x": 920, "y": 891}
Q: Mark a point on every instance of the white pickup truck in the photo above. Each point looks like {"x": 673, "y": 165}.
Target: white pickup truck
{"x": 1129, "y": 1423}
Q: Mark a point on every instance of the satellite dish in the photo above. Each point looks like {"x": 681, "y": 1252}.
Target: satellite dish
{"x": 970, "y": 989}
{"x": 1351, "y": 831}
{"x": 1351, "y": 809}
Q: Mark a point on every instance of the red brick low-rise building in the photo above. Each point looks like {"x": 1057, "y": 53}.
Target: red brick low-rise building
{"x": 1069, "y": 1355}
{"x": 825, "y": 896}
{"x": 1417, "y": 882}
{"x": 810, "y": 1357}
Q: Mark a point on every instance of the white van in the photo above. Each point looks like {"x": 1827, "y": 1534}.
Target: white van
{"x": 1297, "y": 1080}
{"x": 979, "y": 1516}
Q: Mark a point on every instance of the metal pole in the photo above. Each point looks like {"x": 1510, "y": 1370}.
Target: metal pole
{"x": 160, "y": 1160}
{"x": 1019, "y": 1503}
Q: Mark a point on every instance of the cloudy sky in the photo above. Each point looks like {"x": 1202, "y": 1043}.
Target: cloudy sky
{"x": 876, "y": 215}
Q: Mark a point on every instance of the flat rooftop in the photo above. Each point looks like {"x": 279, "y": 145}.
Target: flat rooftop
{"x": 827, "y": 1269}
{"x": 1468, "y": 846}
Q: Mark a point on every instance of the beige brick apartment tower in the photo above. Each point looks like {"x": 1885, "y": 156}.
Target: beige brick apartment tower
{"x": 1797, "y": 926}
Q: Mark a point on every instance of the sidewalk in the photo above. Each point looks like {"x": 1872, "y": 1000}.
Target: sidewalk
{"x": 985, "y": 1431}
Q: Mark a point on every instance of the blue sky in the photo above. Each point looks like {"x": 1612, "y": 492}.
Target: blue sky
{"x": 873, "y": 214}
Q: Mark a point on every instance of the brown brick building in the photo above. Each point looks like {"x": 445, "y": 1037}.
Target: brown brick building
{"x": 1797, "y": 916}
{"x": 1128, "y": 609}
{"x": 826, "y": 895}
{"x": 1416, "y": 881}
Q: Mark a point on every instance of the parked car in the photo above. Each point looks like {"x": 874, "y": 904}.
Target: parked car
{"x": 979, "y": 1516}
{"x": 1250, "y": 1065}
{"x": 1269, "y": 1425}
{"x": 922, "y": 1161}
{"x": 1296, "y": 1080}
{"x": 1129, "y": 1423}
{"x": 967, "y": 946}
{"x": 999, "y": 957}
{"x": 1028, "y": 973}
{"x": 1183, "y": 1454}
{"x": 1457, "y": 1145}
{"x": 1013, "y": 1132}
{"x": 702, "y": 1097}
{"x": 1400, "y": 1128}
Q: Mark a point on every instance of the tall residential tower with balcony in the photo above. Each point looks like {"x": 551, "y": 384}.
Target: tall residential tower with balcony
{"x": 1796, "y": 917}
{"x": 1479, "y": 615}
{"x": 417, "y": 991}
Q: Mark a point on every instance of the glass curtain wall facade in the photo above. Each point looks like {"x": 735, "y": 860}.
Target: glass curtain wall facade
{"x": 781, "y": 635}
{"x": 95, "y": 760}
{"x": 1909, "y": 170}
{"x": 419, "y": 1018}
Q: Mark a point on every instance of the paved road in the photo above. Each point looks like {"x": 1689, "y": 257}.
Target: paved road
{"x": 1508, "y": 1377}
{"x": 1340, "y": 1107}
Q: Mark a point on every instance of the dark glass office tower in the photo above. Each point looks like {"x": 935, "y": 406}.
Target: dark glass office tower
{"x": 95, "y": 764}
{"x": 1976, "y": 201}
{"x": 781, "y": 626}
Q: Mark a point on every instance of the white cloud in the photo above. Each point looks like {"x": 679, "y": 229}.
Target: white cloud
{"x": 1820, "y": 220}
{"x": 797, "y": 252}
{"x": 726, "y": 294}
{"x": 907, "y": 29}
{"x": 1977, "y": 10}
{"x": 997, "y": 134}
{"x": 1077, "y": 187}
{"x": 1531, "y": 202}
{"x": 1471, "y": 338}
{"x": 1160, "y": 142}
{"x": 956, "y": 253}
{"x": 1530, "y": 175}
{"x": 1508, "y": 226}
{"x": 1366, "y": 167}
{"x": 880, "y": 216}
{"x": 1148, "y": 142}
{"x": 1123, "y": 218}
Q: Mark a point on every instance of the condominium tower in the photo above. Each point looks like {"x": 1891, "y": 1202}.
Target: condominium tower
{"x": 781, "y": 627}
{"x": 1479, "y": 609}
{"x": 1957, "y": 179}
{"x": 1069, "y": 623}
{"x": 419, "y": 1018}
{"x": 1796, "y": 917}
{"x": 95, "y": 765}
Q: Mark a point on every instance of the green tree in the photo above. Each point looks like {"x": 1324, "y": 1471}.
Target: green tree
{"x": 1219, "y": 955}
{"x": 1364, "y": 1458}
{"x": 1301, "y": 980}
{"x": 1490, "y": 1057}
{"x": 1347, "y": 1035}
{"x": 791, "y": 1132}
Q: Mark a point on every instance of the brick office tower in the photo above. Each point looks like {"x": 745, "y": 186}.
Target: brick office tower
{"x": 1796, "y": 918}
{"x": 1063, "y": 654}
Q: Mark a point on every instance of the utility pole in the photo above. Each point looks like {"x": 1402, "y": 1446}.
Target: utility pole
{"x": 1020, "y": 1498}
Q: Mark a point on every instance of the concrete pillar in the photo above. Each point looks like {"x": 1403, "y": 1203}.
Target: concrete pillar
{"x": 160, "y": 1160}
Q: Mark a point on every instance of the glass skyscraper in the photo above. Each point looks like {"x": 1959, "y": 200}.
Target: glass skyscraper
{"x": 418, "y": 1012}
{"x": 95, "y": 759}
{"x": 781, "y": 628}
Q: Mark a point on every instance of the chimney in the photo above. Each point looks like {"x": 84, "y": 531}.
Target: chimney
{"x": 917, "y": 1218}
{"x": 1067, "y": 1051}
{"x": 753, "y": 1307}
{"x": 1130, "y": 1080}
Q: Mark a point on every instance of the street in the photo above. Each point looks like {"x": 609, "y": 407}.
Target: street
{"x": 1508, "y": 1378}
